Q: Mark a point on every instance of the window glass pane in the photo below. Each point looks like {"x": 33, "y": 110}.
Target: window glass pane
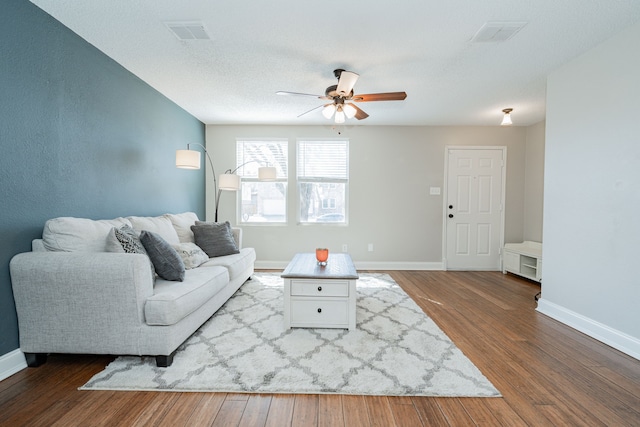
{"x": 262, "y": 202}
{"x": 321, "y": 202}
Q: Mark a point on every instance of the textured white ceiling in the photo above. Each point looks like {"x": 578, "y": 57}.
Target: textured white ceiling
{"x": 422, "y": 47}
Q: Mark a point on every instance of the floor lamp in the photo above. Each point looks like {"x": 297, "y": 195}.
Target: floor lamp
{"x": 228, "y": 181}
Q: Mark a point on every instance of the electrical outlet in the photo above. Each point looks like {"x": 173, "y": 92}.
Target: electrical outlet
{"x": 370, "y": 247}
{"x": 345, "y": 248}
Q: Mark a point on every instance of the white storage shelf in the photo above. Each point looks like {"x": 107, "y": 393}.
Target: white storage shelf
{"x": 524, "y": 259}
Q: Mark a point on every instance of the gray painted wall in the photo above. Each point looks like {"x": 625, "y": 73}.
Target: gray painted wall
{"x": 391, "y": 170}
{"x": 79, "y": 136}
{"x": 592, "y": 193}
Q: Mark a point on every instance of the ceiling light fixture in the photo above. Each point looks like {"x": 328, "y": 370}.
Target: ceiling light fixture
{"x": 349, "y": 111}
{"x": 506, "y": 120}
{"x": 328, "y": 110}
{"x": 339, "y": 114}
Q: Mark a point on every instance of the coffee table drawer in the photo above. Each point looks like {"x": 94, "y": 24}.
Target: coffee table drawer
{"x": 320, "y": 288}
{"x": 316, "y": 312}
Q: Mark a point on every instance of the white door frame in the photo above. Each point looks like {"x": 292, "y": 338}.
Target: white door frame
{"x": 445, "y": 223}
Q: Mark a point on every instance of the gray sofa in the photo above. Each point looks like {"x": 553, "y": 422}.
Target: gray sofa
{"x": 75, "y": 294}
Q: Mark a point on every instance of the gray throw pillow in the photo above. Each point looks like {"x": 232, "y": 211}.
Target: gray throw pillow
{"x": 215, "y": 238}
{"x": 165, "y": 259}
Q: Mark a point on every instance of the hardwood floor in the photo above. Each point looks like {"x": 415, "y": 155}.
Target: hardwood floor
{"x": 548, "y": 374}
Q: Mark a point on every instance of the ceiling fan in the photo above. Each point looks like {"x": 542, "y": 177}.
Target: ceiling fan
{"x": 342, "y": 98}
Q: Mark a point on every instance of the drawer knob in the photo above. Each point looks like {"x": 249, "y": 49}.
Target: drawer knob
{"x": 319, "y": 288}
{"x": 319, "y": 310}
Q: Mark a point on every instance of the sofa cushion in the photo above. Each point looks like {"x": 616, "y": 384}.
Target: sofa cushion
{"x": 160, "y": 225}
{"x": 165, "y": 259}
{"x": 182, "y": 224}
{"x": 69, "y": 234}
{"x": 236, "y": 263}
{"x": 173, "y": 301}
{"x": 215, "y": 238}
{"x": 192, "y": 255}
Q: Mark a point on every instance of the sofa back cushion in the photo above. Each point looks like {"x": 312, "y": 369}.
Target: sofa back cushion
{"x": 68, "y": 234}
{"x": 182, "y": 224}
{"x": 159, "y": 224}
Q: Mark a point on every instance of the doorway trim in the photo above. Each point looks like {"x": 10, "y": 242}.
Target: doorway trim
{"x": 445, "y": 223}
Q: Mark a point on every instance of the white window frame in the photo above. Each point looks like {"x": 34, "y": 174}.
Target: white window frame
{"x": 331, "y": 181}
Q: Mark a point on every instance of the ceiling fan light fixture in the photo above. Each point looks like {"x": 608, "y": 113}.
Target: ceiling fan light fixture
{"x": 328, "y": 110}
{"x": 506, "y": 120}
{"x": 349, "y": 111}
{"x": 341, "y": 96}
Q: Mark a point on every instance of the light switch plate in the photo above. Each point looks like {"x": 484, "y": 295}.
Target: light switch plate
{"x": 434, "y": 191}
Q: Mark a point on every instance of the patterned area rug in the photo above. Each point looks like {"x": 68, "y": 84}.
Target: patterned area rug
{"x": 395, "y": 350}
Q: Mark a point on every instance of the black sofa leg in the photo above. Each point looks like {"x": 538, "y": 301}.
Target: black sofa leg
{"x": 35, "y": 359}
{"x": 164, "y": 361}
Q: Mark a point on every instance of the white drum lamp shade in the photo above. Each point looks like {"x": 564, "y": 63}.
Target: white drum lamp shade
{"x": 188, "y": 159}
{"x": 229, "y": 182}
{"x": 267, "y": 173}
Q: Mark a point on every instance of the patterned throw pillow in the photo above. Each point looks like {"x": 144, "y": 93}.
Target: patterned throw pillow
{"x": 192, "y": 255}
{"x": 129, "y": 240}
{"x": 131, "y": 243}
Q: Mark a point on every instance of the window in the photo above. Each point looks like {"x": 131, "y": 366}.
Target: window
{"x": 323, "y": 178}
{"x": 328, "y": 203}
{"x": 262, "y": 202}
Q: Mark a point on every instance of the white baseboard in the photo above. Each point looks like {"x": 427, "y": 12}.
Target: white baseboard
{"x": 11, "y": 363}
{"x": 281, "y": 265}
{"x": 616, "y": 339}
{"x": 373, "y": 265}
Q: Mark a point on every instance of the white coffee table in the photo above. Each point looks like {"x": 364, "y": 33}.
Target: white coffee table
{"x": 318, "y": 296}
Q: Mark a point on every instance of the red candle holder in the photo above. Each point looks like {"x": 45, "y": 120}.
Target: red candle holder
{"x": 322, "y": 255}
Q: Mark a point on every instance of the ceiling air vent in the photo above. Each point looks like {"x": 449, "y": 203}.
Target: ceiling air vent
{"x": 496, "y": 32}
{"x": 188, "y": 30}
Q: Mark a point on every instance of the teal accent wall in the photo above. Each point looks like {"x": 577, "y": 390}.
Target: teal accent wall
{"x": 79, "y": 136}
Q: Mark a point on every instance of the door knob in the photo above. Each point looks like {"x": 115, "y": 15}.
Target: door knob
{"x": 450, "y": 206}
{"x": 450, "y": 215}
{"x": 319, "y": 310}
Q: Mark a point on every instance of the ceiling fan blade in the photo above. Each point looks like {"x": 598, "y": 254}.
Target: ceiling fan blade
{"x": 346, "y": 82}
{"x": 299, "y": 94}
{"x": 360, "y": 115}
{"x": 387, "y": 96}
{"x": 313, "y": 109}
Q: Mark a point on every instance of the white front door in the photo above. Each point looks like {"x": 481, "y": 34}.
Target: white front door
{"x": 474, "y": 217}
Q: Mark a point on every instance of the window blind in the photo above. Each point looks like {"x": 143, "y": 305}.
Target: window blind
{"x": 323, "y": 160}
{"x": 252, "y": 154}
